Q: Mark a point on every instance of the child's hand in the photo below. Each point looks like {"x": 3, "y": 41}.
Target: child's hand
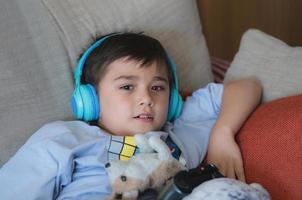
{"x": 224, "y": 152}
{"x": 239, "y": 99}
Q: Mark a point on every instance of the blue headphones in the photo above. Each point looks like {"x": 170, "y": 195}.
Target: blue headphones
{"x": 85, "y": 103}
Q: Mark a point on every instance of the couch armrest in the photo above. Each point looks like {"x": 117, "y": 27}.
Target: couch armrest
{"x": 271, "y": 143}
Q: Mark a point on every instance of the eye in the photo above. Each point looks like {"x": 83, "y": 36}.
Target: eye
{"x": 127, "y": 87}
{"x": 158, "y": 88}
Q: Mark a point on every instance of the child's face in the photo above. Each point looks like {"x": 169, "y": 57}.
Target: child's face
{"x": 133, "y": 99}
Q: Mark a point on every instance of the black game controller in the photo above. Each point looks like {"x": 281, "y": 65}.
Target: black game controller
{"x": 182, "y": 183}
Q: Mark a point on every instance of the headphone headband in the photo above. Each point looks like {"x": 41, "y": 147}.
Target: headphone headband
{"x": 82, "y": 61}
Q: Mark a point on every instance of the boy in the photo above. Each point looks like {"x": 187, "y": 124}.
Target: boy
{"x": 130, "y": 88}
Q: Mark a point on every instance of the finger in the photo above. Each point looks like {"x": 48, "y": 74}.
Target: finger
{"x": 240, "y": 173}
{"x": 231, "y": 172}
{"x": 241, "y": 177}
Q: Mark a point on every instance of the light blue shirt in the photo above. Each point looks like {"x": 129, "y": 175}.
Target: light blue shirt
{"x": 65, "y": 160}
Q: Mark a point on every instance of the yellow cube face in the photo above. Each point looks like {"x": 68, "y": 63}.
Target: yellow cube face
{"x": 127, "y": 151}
{"x": 130, "y": 140}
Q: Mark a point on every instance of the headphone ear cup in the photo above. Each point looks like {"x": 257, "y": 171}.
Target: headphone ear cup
{"x": 175, "y": 105}
{"x": 77, "y": 104}
{"x": 85, "y": 103}
{"x": 91, "y": 103}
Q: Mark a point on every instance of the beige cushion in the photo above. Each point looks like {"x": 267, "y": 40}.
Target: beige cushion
{"x": 277, "y": 65}
{"x": 174, "y": 22}
{"x": 41, "y": 40}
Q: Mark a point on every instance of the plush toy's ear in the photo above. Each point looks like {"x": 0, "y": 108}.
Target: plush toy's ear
{"x": 142, "y": 143}
{"x": 160, "y": 147}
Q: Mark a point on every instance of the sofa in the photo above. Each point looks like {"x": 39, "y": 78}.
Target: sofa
{"x": 41, "y": 41}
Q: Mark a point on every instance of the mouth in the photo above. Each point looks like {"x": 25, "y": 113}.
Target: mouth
{"x": 145, "y": 117}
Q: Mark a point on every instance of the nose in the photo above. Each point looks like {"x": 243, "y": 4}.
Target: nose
{"x": 146, "y": 99}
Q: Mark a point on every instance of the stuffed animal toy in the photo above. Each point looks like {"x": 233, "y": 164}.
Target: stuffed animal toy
{"x": 154, "y": 166}
{"x": 150, "y": 168}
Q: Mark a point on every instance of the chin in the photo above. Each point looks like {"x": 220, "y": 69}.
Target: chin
{"x": 146, "y": 130}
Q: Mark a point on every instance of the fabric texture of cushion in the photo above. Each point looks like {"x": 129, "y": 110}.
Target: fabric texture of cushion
{"x": 277, "y": 65}
{"x": 42, "y": 39}
{"x": 271, "y": 143}
{"x": 35, "y": 75}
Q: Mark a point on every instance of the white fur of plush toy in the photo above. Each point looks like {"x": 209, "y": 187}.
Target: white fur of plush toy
{"x": 228, "y": 189}
{"x": 152, "y": 167}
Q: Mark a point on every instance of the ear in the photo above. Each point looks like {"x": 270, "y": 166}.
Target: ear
{"x": 160, "y": 147}
{"x": 142, "y": 143}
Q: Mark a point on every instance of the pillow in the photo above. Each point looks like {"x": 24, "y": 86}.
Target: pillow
{"x": 35, "y": 76}
{"x": 271, "y": 142}
{"x": 277, "y": 65}
{"x": 41, "y": 40}
{"x": 174, "y": 22}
